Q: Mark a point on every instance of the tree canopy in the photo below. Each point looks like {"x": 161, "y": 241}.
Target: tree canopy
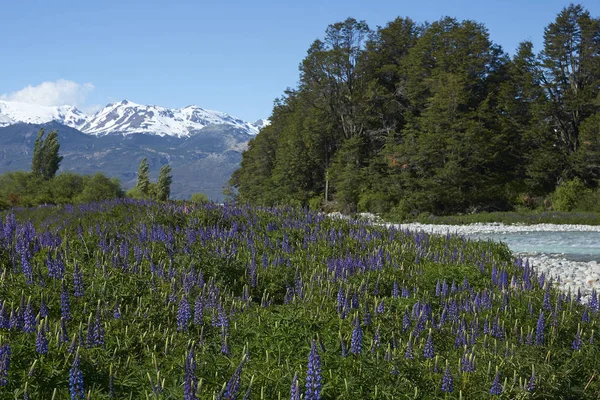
{"x": 433, "y": 117}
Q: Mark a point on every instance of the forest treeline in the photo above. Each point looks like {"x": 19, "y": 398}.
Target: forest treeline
{"x": 42, "y": 185}
{"x": 433, "y": 117}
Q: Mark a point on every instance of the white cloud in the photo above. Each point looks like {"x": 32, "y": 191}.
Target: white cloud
{"x": 59, "y": 93}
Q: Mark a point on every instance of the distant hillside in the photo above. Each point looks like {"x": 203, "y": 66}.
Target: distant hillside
{"x": 201, "y": 162}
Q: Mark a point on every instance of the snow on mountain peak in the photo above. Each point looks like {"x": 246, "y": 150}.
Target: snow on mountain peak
{"x": 125, "y": 117}
{"x": 12, "y": 112}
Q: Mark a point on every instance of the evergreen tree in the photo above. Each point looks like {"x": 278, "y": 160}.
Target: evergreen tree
{"x": 571, "y": 79}
{"x": 46, "y": 159}
{"x": 163, "y": 185}
{"x": 143, "y": 178}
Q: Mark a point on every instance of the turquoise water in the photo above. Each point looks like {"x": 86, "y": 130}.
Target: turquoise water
{"x": 575, "y": 246}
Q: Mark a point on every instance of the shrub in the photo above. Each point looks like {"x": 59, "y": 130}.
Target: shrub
{"x": 199, "y": 198}
{"x": 567, "y": 194}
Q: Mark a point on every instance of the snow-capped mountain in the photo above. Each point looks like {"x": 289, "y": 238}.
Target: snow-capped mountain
{"x": 125, "y": 118}
{"x": 12, "y": 112}
{"x": 261, "y": 123}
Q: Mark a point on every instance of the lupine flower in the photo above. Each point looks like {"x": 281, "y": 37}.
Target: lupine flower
{"x": 532, "y": 382}
{"x": 41, "y": 342}
{"x": 496, "y": 385}
{"x": 78, "y": 281}
{"x": 233, "y": 384}
{"x": 380, "y": 307}
{"x": 295, "y": 389}
{"x": 376, "y": 339}
{"x": 29, "y": 324}
{"x": 576, "y": 344}
{"x": 43, "y": 309}
{"x": 313, "y": 375}
{"x": 65, "y": 304}
{"x": 184, "y": 314}
{"x": 429, "y": 351}
{"x": 5, "y": 352}
{"x": 198, "y": 310}
{"x": 539, "y": 331}
{"x": 447, "y": 381}
{"x": 189, "y": 382}
{"x": 76, "y": 386}
{"x": 63, "y": 336}
{"x": 409, "y": 350}
{"x": 117, "y": 311}
{"x": 357, "y": 337}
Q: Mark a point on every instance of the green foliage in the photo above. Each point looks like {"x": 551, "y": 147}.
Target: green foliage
{"x": 163, "y": 184}
{"x": 567, "y": 195}
{"x": 269, "y": 281}
{"x": 24, "y": 189}
{"x": 199, "y": 198}
{"x": 98, "y": 187}
{"x": 431, "y": 118}
{"x": 46, "y": 160}
{"x": 143, "y": 178}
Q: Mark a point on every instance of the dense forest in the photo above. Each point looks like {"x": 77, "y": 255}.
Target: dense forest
{"x": 433, "y": 118}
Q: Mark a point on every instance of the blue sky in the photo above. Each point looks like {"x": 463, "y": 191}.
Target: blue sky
{"x": 231, "y": 56}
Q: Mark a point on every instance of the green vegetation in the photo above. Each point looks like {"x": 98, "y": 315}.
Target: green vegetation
{"x": 512, "y": 217}
{"x": 434, "y": 118}
{"x": 133, "y": 300}
{"x": 144, "y": 189}
{"x": 24, "y": 189}
{"x": 43, "y": 186}
{"x": 46, "y": 160}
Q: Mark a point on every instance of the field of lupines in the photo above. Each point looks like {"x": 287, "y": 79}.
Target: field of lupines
{"x": 132, "y": 300}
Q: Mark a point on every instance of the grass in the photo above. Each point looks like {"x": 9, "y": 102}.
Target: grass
{"x": 516, "y": 217}
{"x": 180, "y": 301}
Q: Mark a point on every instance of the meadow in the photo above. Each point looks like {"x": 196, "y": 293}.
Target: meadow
{"x": 129, "y": 299}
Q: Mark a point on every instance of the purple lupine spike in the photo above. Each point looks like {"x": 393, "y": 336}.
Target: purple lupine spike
{"x": 395, "y": 290}
{"x": 357, "y": 337}
{"x": 117, "y": 310}
{"x": 405, "y": 292}
{"x": 98, "y": 336}
{"x": 65, "y": 304}
{"x": 496, "y": 387}
{"x": 343, "y": 346}
{"x": 447, "y": 381}
{"x": 380, "y": 307}
{"x": 376, "y": 339}
{"x": 233, "y": 384}
{"x": 63, "y": 336}
{"x": 532, "y": 382}
{"x": 295, "y": 388}
{"x": 409, "y": 350}
{"x": 5, "y": 352}
{"x": 43, "y": 309}
{"x": 429, "y": 351}
{"x": 189, "y": 382}
{"x": 539, "y": 330}
{"x": 313, "y": 375}
{"x": 184, "y": 314}
{"x": 576, "y": 344}
{"x": 547, "y": 305}
{"x": 29, "y": 324}
{"x": 198, "y": 310}
{"x": 76, "y": 385}
{"x": 405, "y": 321}
{"x": 41, "y": 341}
{"x": 78, "y": 281}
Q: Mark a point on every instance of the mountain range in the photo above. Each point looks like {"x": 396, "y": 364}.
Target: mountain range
{"x": 203, "y": 147}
